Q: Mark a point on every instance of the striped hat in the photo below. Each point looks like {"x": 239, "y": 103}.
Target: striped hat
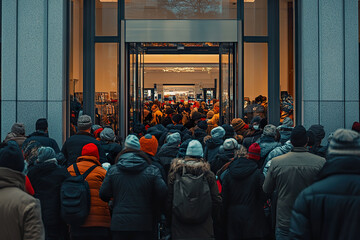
{"x": 254, "y": 152}
{"x": 345, "y": 142}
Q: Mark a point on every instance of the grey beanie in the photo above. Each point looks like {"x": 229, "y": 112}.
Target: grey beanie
{"x": 45, "y": 153}
{"x": 230, "y": 144}
{"x": 84, "y": 122}
{"x": 218, "y": 132}
{"x": 194, "y": 149}
{"x": 18, "y": 129}
{"x": 288, "y": 122}
{"x": 132, "y": 142}
{"x": 269, "y": 130}
{"x": 345, "y": 142}
{"x": 107, "y": 134}
{"x": 318, "y": 131}
{"x": 173, "y": 138}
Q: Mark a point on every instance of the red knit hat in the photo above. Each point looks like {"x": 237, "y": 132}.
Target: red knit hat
{"x": 149, "y": 144}
{"x": 254, "y": 152}
{"x": 90, "y": 150}
{"x": 356, "y": 127}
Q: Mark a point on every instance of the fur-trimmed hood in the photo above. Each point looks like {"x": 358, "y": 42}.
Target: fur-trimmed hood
{"x": 194, "y": 166}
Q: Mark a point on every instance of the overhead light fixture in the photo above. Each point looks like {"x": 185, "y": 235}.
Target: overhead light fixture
{"x": 108, "y": 1}
{"x": 249, "y": 1}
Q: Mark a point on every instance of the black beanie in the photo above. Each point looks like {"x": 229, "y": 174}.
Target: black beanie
{"x": 41, "y": 124}
{"x": 203, "y": 125}
{"x": 298, "y": 136}
{"x": 229, "y": 131}
{"x": 177, "y": 118}
{"x": 11, "y": 157}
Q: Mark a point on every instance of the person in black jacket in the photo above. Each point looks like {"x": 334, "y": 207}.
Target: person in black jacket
{"x": 213, "y": 144}
{"x": 169, "y": 150}
{"x": 329, "y": 208}
{"x": 110, "y": 147}
{"x": 41, "y": 135}
{"x": 46, "y": 177}
{"x": 243, "y": 199}
{"x": 73, "y": 146}
{"x": 225, "y": 155}
{"x": 136, "y": 186}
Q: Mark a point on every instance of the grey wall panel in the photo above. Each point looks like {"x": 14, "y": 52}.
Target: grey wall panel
{"x": 32, "y": 50}
{"x": 331, "y": 27}
{"x": 309, "y": 46}
{"x": 352, "y": 113}
{"x": 8, "y": 50}
{"x": 331, "y": 116}
{"x": 29, "y": 112}
{"x": 57, "y": 120}
{"x": 8, "y": 117}
{"x": 56, "y": 51}
{"x": 311, "y": 113}
{"x": 181, "y": 30}
{"x": 351, "y": 51}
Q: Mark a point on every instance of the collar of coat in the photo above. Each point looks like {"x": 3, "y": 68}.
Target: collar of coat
{"x": 194, "y": 166}
{"x": 299, "y": 149}
{"x": 11, "y": 178}
{"x": 340, "y": 165}
{"x": 89, "y": 159}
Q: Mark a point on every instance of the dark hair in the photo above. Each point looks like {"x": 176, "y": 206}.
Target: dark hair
{"x": 298, "y": 137}
{"x": 41, "y": 124}
{"x": 137, "y": 152}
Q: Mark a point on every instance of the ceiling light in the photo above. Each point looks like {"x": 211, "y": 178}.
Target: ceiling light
{"x": 249, "y": 1}
{"x": 108, "y": 1}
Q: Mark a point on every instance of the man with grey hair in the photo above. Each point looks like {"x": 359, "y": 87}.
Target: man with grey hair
{"x": 329, "y": 208}
{"x": 73, "y": 146}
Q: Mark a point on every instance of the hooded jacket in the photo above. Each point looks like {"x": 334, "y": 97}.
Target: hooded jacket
{"x": 169, "y": 151}
{"x": 99, "y": 215}
{"x": 212, "y": 148}
{"x": 204, "y": 230}
{"x": 44, "y": 139}
{"x": 111, "y": 150}
{"x": 46, "y": 178}
{"x": 243, "y": 201}
{"x": 223, "y": 157}
{"x": 329, "y": 209}
{"x": 136, "y": 187}
{"x": 267, "y": 144}
{"x": 20, "y": 213}
{"x": 13, "y": 137}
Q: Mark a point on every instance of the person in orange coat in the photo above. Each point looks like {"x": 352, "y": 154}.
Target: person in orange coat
{"x": 97, "y": 223}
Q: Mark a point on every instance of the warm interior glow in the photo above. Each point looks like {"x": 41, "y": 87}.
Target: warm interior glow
{"x": 106, "y": 1}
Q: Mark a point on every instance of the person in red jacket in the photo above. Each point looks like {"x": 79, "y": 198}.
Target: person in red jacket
{"x": 97, "y": 223}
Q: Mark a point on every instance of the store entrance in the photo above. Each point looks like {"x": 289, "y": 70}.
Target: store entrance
{"x": 180, "y": 76}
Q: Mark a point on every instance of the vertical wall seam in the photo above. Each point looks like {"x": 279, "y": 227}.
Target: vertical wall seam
{"x": 17, "y": 61}
{"x": 344, "y": 61}
{"x": 319, "y": 65}
{"x": 47, "y": 55}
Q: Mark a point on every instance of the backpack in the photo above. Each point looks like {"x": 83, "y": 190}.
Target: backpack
{"x": 75, "y": 198}
{"x": 192, "y": 201}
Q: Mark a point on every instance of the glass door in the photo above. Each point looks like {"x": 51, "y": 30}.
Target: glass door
{"x": 136, "y": 83}
{"x": 227, "y": 77}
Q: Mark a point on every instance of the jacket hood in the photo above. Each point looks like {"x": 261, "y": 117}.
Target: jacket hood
{"x": 45, "y": 168}
{"x": 194, "y": 166}
{"x": 214, "y": 142}
{"x": 340, "y": 165}
{"x": 11, "y": 178}
{"x": 89, "y": 159}
{"x": 132, "y": 162}
{"x": 226, "y": 154}
{"x": 241, "y": 168}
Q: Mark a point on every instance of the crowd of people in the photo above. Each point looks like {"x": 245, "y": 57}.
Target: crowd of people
{"x": 181, "y": 175}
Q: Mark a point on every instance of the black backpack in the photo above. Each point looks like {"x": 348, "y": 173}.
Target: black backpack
{"x": 75, "y": 198}
{"x": 192, "y": 201}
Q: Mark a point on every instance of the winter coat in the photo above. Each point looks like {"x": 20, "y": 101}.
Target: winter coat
{"x": 44, "y": 139}
{"x": 73, "y": 146}
{"x": 212, "y": 148}
{"x": 46, "y": 179}
{"x": 251, "y": 138}
{"x": 329, "y": 209}
{"x": 199, "y": 135}
{"x": 267, "y": 144}
{"x": 203, "y": 231}
{"x": 156, "y": 162}
{"x": 179, "y": 127}
{"x": 319, "y": 150}
{"x": 135, "y": 186}
{"x": 285, "y": 133}
{"x": 287, "y": 147}
{"x": 111, "y": 150}
{"x": 99, "y": 215}
{"x": 243, "y": 201}
{"x": 13, "y": 137}
{"x": 166, "y": 154}
{"x": 166, "y": 121}
{"x": 289, "y": 174}
{"x": 20, "y": 213}
{"x": 223, "y": 157}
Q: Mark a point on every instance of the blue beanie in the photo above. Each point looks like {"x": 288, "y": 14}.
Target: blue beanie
{"x": 132, "y": 142}
{"x": 195, "y": 149}
{"x": 173, "y": 138}
{"x": 218, "y": 132}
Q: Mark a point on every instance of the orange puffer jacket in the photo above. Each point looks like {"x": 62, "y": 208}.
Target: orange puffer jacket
{"x": 99, "y": 215}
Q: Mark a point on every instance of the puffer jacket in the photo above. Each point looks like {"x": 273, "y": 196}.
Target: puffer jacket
{"x": 223, "y": 157}
{"x": 267, "y": 144}
{"x": 212, "y": 148}
{"x": 285, "y": 133}
{"x": 287, "y": 147}
{"x": 46, "y": 179}
{"x": 329, "y": 209}
{"x": 203, "y": 231}
{"x": 243, "y": 201}
{"x": 136, "y": 187}
{"x": 13, "y": 137}
{"x": 99, "y": 215}
{"x": 20, "y": 213}
{"x": 251, "y": 138}
{"x": 166, "y": 154}
{"x": 111, "y": 150}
